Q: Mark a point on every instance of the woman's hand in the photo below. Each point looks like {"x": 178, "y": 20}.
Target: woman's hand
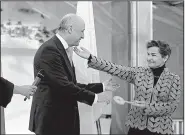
{"x": 141, "y": 104}
{"x": 84, "y": 53}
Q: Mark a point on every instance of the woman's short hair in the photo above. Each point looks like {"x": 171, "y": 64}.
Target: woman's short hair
{"x": 164, "y": 48}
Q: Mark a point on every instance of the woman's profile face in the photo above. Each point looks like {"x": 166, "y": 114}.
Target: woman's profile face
{"x": 154, "y": 58}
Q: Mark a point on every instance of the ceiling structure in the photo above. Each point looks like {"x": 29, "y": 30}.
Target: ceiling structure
{"x": 49, "y": 13}
{"x": 53, "y": 11}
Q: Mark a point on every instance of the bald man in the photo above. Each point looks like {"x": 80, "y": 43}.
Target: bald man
{"x": 54, "y": 108}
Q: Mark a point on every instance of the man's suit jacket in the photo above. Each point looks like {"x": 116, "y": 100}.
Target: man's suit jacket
{"x": 54, "y": 107}
{"x": 6, "y": 92}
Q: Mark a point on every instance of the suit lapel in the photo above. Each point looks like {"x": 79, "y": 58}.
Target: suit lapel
{"x": 64, "y": 54}
{"x": 74, "y": 72}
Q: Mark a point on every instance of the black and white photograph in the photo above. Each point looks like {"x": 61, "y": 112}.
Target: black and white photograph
{"x": 92, "y": 67}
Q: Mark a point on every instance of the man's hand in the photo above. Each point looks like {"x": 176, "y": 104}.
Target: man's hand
{"x": 105, "y": 96}
{"x": 84, "y": 53}
{"x": 25, "y": 90}
{"x": 110, "y": 85}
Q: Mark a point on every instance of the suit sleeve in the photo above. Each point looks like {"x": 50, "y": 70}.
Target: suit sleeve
{"x": 94, "y": 87}
{"x": 6, "y": 89}
{"x": 53, "y": 65}
{"x": 166, "y": 108}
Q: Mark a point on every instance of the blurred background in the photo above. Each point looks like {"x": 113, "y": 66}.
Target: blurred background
{"x": 115, "y": 30}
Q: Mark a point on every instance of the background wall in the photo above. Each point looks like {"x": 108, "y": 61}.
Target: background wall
{"x": 168, "y": 25}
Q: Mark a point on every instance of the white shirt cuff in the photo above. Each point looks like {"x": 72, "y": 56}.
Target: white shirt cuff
{"x": 103, "y": 86}
{"x": 96, "y": 96}
{"x": 95, "y": 99}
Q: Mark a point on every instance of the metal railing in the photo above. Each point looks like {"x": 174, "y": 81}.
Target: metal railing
{"x": 178, "y": 127}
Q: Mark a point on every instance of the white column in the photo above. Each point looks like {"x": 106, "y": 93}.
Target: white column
{"x": 142, "y": 31}
{"x": 2, "y": 131}
{"x": 84, "y": 74}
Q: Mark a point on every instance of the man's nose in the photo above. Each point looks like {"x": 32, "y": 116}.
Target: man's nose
{"x": 82, "y": 36}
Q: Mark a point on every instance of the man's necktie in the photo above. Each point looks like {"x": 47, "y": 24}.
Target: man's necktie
{"x": 69, "y": 51}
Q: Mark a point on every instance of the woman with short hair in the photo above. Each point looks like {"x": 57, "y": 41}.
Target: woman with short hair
{"x": 157, "y": 89}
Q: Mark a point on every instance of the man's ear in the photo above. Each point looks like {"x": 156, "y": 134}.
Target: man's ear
{"x": 70, "y": 29}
